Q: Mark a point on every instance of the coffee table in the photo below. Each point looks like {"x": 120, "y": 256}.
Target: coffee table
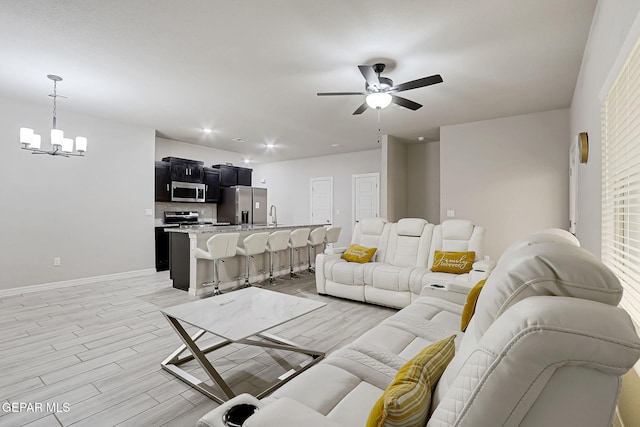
{"x": 235, "y": 317}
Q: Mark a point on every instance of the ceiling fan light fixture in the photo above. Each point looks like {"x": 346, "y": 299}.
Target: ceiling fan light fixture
{"x": 378, "y": 100}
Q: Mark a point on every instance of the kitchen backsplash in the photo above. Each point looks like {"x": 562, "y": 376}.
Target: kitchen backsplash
{"x": 206, "y": 211}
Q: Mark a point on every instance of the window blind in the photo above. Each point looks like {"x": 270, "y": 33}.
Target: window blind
{"x": 620, "y": 115}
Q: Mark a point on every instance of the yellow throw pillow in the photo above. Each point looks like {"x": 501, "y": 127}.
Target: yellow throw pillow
{"x": 406, "y": 402}
{"x": 357, "y": 253}
{"x": 470, "y": 305}
{"x": 453, "y": 262}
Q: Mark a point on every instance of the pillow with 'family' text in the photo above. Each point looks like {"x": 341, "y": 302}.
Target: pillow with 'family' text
{"x": 453, "y": 262}
{"x": 357, "y": 253}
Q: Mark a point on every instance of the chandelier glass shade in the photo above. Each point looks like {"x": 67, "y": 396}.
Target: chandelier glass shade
{"x": 378, "y": 100}
{"x": 60, "y": 146}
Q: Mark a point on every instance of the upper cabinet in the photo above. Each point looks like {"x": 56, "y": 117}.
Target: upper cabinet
{"x": 212, "y": 185}
{"x": 185, "y": 170}
{"x": 163, "y": 182}
{"x": 234, "y": 175}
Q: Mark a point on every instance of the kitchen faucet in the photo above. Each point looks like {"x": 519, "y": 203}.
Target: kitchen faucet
{"x": 273, "y": 213}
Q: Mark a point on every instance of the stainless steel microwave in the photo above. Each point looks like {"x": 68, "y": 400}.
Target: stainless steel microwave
{"x": 187, "y": 192}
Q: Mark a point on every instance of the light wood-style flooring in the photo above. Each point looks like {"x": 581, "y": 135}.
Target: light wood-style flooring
{"x": 92, "y": 353}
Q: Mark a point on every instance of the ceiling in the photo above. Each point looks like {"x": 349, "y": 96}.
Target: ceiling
{"x": 251, "y": 69}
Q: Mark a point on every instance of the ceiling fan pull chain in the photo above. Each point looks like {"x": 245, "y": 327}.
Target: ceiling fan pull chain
{"x": 379, "y": 126}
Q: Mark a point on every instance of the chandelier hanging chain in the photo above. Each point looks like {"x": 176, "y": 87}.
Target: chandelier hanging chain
{"x": 55, "y": 96}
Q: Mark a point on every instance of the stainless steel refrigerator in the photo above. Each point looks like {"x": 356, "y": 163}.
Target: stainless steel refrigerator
{"x": 243, "y": 205}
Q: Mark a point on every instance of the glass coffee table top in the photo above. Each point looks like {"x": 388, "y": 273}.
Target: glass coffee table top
{"x": 243, "y": 313}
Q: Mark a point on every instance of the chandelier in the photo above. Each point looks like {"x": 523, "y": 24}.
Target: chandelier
{"x": 60, "y": 146}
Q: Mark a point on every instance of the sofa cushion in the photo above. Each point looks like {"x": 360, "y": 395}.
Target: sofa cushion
{"x": 372, "y": 226}
{"x": 452, "y": 262}
{"x": 357, "y": 253}
{"x": 411, "y": 227}
{"x": 408, "y": 249}
{"x": 470, "y": 306}
{"x": 457, "y": 235}
{"x": 372, "y": 233}
{"x": 544, "y": 269}
{"x": 405, "y": 402}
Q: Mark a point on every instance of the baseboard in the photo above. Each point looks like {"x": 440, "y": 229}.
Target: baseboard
{"x": 75, "y": 282}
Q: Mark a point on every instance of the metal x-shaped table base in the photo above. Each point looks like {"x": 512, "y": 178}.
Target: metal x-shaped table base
{"x": 173, "y": 362}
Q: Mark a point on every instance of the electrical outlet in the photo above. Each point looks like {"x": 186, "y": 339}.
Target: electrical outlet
{"x": 57, "y": 261}
{"x": 148, "y": 212}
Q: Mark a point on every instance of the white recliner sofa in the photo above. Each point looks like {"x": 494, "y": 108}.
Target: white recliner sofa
{"x": 546, "y": 347}
{"x": 401, "y": 267}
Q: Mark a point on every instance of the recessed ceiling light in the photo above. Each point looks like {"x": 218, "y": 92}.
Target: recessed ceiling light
{"x": 271, "y": 145}
{"x": 207, "y": 130}
{"x": 421, "y": 138}
{"x": 335, "y": 145}
{"x": 247, "y": 161}
{"x": 239, "y": 140}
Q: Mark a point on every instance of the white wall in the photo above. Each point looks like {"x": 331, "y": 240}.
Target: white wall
{"x": 423, "y": 181}
{"x": 394, "y": 163}
{"x": 88, "y": 211}
{"x": 510, "y": 175}
{"x": 609, "y": 29}
{"x": 288, "y": 185}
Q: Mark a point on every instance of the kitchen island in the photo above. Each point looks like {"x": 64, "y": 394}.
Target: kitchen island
{"x": 189, "y": 273}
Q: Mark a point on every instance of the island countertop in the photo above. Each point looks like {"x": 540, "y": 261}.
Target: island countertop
{"x": 191, "y": 274}
{"x": 199, "y": 229}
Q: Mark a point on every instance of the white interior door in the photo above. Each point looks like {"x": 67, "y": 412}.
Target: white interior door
{"x": 322, "y": 200}
{"x": 366, "y": 196}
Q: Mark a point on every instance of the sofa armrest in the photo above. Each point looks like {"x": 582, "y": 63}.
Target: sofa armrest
{"x": 338, "y": 251}
{"x": 214, "y": 418}
{"x": 484, "y": 265}
{"x": 286, "y": 412}
{"x": 445, "y": 292}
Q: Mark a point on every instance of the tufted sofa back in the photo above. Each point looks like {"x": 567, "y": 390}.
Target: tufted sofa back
{"x": 457, "y": 235}
{"x": 372, "y": 233}
{"x": 408, "y": 244}
{"x": 547, "y": 308}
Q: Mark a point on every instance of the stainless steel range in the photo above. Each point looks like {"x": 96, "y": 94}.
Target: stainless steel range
{"x": 184, "y": 218}
{"x": 187, "y": 219}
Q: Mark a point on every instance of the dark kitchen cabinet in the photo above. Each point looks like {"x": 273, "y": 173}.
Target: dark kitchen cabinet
{"x": 163, "y": 181}
{"x": 162, "y": 249}
{"x": 212, "y": 185}
{"x": 244, "y": 176}
{"x": 228, "y": 175}
{"x": 185, "y": 170}
{"x": 233, "y": 175}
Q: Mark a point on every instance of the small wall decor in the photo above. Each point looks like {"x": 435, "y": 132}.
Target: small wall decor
{"x": 583, "y": 146}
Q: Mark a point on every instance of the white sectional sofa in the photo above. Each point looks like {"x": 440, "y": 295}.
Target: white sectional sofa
{"x": 401, "y": 267}
{"x": 546, "y": 347}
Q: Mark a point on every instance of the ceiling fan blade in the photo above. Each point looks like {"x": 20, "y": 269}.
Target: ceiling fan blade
{"x": 414, "y": 84}
{"x": 361, "y": 109}
{"x": 339, "y": 93}
{"x": 369, "y": 75}
{"x": 404, "y": 102}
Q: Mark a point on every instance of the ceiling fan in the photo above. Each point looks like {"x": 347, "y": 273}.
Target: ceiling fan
{"x": 380, "y": 91}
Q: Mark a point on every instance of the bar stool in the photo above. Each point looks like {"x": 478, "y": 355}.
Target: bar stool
{"x": 253, "y": 244}
{"x": 297, "y": 240}
{"x": 316, "y": 237}
{"x": 220, "y": 246}
{"x": 278, "y": 241}
{"x": 332, "y": 236}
